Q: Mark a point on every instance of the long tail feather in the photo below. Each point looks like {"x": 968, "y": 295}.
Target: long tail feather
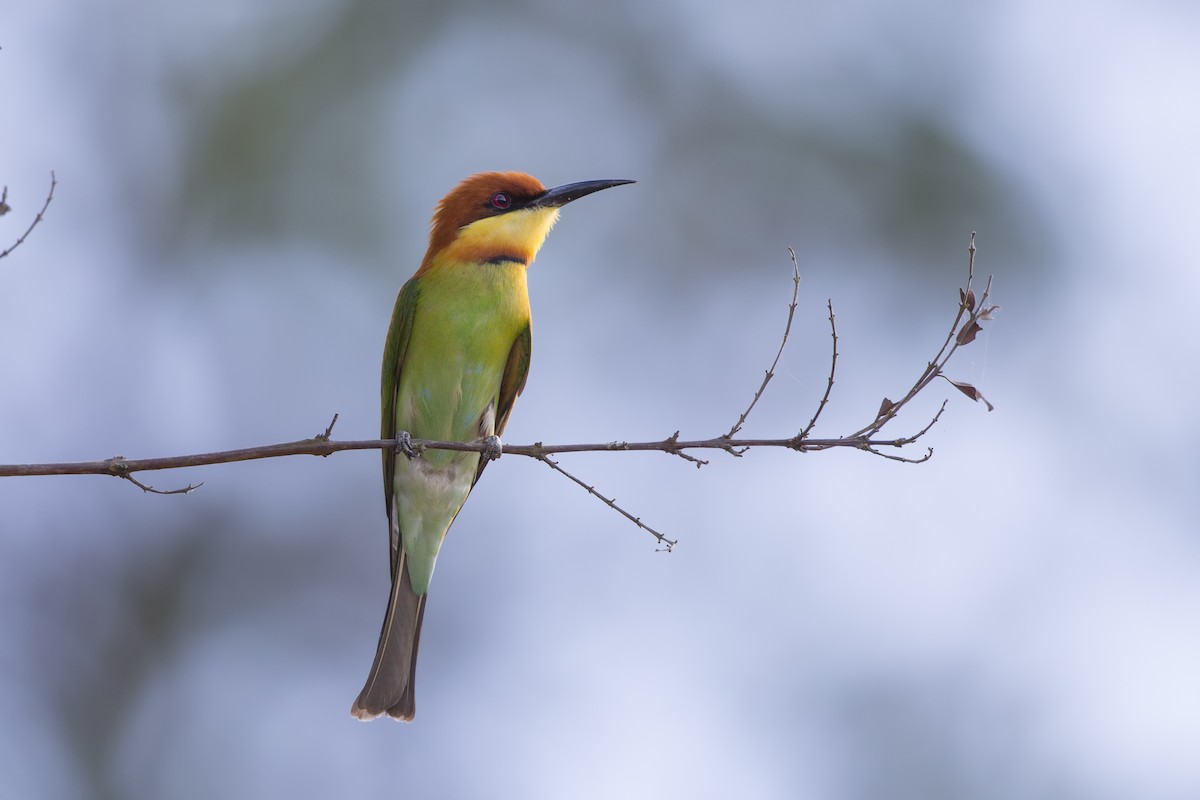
{"x": 390, "y": 686}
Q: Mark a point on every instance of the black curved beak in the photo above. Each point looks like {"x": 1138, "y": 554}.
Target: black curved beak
{"x": 561, "y": 195}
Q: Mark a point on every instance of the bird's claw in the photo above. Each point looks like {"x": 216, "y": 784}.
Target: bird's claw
{"x": 492, "y": 448}
{"x": 404, "y": 444}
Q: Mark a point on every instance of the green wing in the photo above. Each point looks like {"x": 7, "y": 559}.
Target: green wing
{"x": 394, "y": 351}
{"x": 516, "y": 370}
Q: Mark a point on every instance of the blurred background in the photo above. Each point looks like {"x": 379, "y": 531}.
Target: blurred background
{"x": 244, "y": 187}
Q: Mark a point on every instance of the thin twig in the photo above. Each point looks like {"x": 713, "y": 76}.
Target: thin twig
{"x": 902, "y": 459}
{"x": 119, "y": 470}
{"x": 667, "y": 544}
{"x": 36, "y": 220}
{"x": 324, "y": 437}
{"x": 191, "y": 487}
{"x": 787, "y": 329}
{"x": 907, "y": 440}
{"x": 832, "y": 369}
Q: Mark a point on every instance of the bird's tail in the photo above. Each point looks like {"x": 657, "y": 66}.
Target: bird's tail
{"x": 390, "y": 686}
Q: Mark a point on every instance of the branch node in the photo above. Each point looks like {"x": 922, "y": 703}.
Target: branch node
{"x": 671, "y": 445}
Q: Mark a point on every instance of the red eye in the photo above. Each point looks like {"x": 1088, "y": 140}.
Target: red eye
{"x": 501, "y": 201}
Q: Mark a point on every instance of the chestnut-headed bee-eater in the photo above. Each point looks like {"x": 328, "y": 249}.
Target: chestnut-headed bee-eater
{"x": 456, "y": 358}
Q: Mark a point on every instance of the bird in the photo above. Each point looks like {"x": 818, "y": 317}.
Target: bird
{"x": 455, "y": 360}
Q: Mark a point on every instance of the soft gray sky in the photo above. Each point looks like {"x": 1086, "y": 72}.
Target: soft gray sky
{"x": 243, "y": 190}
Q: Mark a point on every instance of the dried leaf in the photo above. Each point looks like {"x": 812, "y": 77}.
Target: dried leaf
{"x": 885, "y": 407}
{"x": 970, "y": 299}
{"x": 973, "y": 393}
{"x": 968, "y": 332}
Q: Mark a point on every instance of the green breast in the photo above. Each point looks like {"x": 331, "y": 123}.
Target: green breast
{"x": 465, "y": 323}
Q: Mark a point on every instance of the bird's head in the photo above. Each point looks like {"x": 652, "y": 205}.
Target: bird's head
{"x": 499, "y": 216}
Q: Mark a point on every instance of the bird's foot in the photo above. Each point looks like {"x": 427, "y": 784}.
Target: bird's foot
{"x": 492, "y": 448}
{"x": 404, "y": 445}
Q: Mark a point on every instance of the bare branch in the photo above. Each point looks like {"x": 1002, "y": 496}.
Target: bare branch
{"x": 960, "y": 334}
{"x": 120, "y": 466}
{"x": 36, "y": 220}
{"x": 318, "y": 446}
{"x": 971, "y": 311}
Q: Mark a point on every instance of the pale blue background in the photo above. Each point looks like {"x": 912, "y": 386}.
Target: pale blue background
{"x": 243, "y": 187}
